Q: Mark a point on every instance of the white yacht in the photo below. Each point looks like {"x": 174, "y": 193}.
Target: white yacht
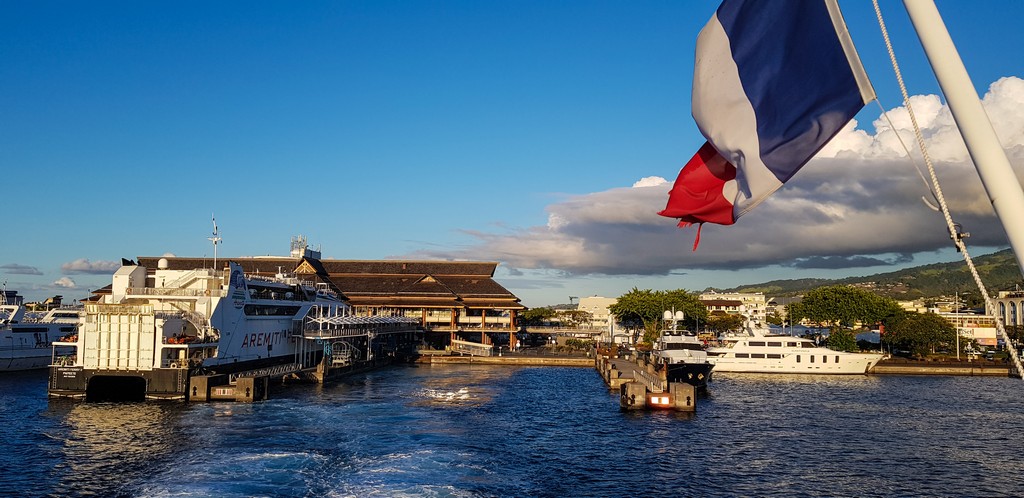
{"x": 26, "y": 337}
{"x": 758, "y": 351}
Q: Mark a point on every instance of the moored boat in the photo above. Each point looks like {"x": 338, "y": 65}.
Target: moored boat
{"x": 154, "y": 330}
{"x": 26, "y": 337}
{"x": 683, "y": 356}
{"x": 759, "y": 351}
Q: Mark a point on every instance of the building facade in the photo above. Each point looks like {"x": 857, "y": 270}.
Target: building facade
{"x": 751, "y": 304}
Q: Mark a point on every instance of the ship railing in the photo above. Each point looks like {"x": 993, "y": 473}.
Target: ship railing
{"x": 653, "y": 383}
{"x": 198, "y": 320}
{"x": 335, "y": 333}
{"x": 119, "y": 309}
{"x": 183, "y": 291}
{"x": 274, "y": 371}
{"x": 182, "y": 281}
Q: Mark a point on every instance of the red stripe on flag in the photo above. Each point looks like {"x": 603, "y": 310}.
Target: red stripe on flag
{"x": 696, "y": 196}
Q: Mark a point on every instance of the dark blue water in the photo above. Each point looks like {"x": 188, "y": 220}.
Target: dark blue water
{"x": 506, "y": 431}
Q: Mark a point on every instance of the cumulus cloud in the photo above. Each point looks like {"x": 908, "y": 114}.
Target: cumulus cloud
{"x": 16, "y": 269}
{"x": 65, "y": 282}
{"x": 83, "y": 265}
{"x": 858, "y": 203}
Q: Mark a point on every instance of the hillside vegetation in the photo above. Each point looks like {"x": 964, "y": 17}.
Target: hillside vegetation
{"x": 999, "y": 271}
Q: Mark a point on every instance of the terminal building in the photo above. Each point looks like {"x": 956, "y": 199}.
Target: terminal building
{"x": 451, "y": 299}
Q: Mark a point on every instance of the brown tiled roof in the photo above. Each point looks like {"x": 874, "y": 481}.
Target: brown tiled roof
{"x": 400, "y": 267}
{"x": 385, "y": 283}
{"x": 407, "y": 301}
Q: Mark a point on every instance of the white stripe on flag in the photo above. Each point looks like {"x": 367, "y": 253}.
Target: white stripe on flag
{"x": 726, "y": 117}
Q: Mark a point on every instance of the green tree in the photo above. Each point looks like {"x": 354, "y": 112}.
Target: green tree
{"x": 643, "y": 309}
{"x": 720, "y": 321}
{"x": 919, "y": 333}
{"x": 575, "y": 318}
{"x": 840, "y": 306}
{"x": 842, "y": 340}
{"x": 774, "y": 318}
{"x": 537, "y": 316}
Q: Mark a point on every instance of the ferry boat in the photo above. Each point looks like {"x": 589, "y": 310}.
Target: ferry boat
{"x": 26, "y": 338}
{"x": 759, "y": 351}
{"x": 154, "y": 330}
{"x": 683, "y": 357}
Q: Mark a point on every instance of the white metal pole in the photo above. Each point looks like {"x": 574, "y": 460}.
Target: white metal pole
{"x": 1004, "y": 191}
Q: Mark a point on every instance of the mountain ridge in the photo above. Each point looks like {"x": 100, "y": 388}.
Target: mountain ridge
{"x": 999, "y": 271}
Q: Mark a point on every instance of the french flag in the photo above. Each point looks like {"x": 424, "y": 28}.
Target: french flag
{"x": 773, "y": 82}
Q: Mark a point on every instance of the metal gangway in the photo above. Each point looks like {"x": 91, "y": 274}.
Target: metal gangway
{"x": 471, "y": 348}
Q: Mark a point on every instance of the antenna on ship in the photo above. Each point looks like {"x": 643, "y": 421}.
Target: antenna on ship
{"x": 216, "y": 240}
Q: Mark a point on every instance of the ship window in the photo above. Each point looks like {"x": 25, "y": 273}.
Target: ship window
{"x": 824, "y": 359}
{"x": 757, "y": 343}
{"x": 774, "y": 356}
{"x": 757, "y": 355}
{"x": 812, "y": 358}
{"x": 791, "y": 344}
{"x": 742, "y": 355}
{"x": 798, "y": 358}
{"x": 837, "y": 358}
{"x": 775, "y": 344}
{"x": 270, "y": 310}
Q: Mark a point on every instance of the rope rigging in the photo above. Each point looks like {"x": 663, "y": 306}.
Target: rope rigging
{"x": 955, "y": 230}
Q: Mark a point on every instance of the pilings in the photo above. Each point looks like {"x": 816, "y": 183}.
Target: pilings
{"x": 217, "y": 388}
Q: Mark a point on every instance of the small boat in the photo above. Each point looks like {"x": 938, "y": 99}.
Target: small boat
{"x": 759, "y": 351}
{"x": 683, "y": 356}
{"x": 26, "y": 337}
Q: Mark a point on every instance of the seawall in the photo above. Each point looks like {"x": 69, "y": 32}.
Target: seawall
{"x": 908, "y": 367}
{"x": 545, "y": 361}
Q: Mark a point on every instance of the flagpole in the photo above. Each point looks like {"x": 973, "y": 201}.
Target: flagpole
{"x": 1004, "y": 191}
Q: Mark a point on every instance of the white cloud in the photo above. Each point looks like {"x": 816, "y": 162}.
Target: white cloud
{"x": 65, "y": 282}
{"x": 858, "y": 201}
{"x": 650, "y": 181}
{"x": 83, "y": 265}
{"x": 16, "y": 269}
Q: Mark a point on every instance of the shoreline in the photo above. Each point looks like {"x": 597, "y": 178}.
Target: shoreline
{"x": 511, "y": 360}
{"x": 884, "y": 367}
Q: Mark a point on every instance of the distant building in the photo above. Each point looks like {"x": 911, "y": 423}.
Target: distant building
{"x": 598, "y": 307}
{"x": 451, "y": 299}
{"x": 727, "y": 306}
{"x": 981, "y": 328}
{"x": 1010, "y": 307}
{"x": 916, "y": 306}
{"x": 751, "y": 304}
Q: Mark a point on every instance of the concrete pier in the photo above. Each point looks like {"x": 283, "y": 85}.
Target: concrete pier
{"x": 642, "y": 387}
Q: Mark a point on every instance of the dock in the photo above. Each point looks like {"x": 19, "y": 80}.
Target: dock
{"x": 976, "y": 368}
{"x": 640, "y": 385}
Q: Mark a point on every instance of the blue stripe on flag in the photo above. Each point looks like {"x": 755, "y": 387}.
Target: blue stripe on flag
{"x": 798, "y": 108}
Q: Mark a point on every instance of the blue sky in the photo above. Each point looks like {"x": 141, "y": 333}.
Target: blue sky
{"x": 500, "y": 131}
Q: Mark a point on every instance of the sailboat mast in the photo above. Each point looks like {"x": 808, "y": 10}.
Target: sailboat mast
{"x": 1004, "y": 191}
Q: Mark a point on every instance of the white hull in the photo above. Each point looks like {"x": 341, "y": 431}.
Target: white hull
{"x": 25, "y": 359}
{"x": 824, "y": 362}
{"x": 26, "y": 342}
{"x": 758, "y": 352}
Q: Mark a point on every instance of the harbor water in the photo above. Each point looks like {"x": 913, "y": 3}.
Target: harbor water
{"x": 465, "y": 430}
